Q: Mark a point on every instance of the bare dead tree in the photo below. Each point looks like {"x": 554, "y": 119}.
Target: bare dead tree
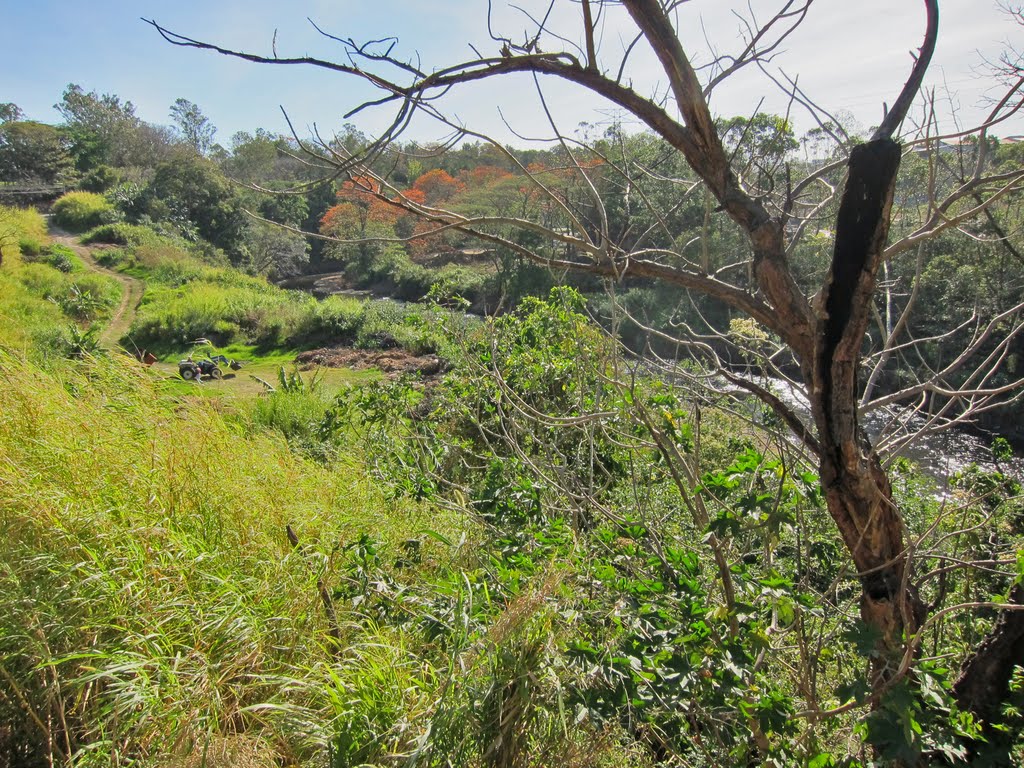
{"x": 822, "y": 329}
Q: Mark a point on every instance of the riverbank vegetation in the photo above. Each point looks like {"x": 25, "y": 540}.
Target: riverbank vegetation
{"x": 606, "y": 525}
{"x": 494, "y": 565}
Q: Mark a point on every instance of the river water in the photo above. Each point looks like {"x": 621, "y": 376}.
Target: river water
{"x": 939, "y": 455}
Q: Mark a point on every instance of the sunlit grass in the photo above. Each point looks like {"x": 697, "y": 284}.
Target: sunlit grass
{"x": 147, "y": 572}
{"x": 200, "y": 575}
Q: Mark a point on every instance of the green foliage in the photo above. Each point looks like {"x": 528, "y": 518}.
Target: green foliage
{"x": 60, "y": 257}
{"x": 29, "y": 247}
{"x": 918, "y": 721}
{"x": 192, "y": 194}
{"x": 151, "y": 580}
{"x": 1001, "y": 449}
{"x": 104, "y": 130}
{"x": 121, "y": 233}
{"x": 301, "y": 411}
{"x": 691, "y": 601}
{"x": 100, "y": 179}
{"x": 187, "y": 299}
{"x": 44, "y": 310}
{"x": 79, "y": 211}
{"x": 90, "y": 297}
{"x": 153, "y": 572}
{"x": 83, "y": 343}
{"x": 196, "y": 129}
{"x": 20, "y": 227}
{"x": 334, "y": 320}
{"x": 34, "y": 152}
{"x": 10, "y": 111}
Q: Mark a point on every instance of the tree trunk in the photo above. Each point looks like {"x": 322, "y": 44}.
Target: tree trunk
{"x": 857, "y": 490}
{"x": 859, "y": 499}
{"x": 984, "y": 681}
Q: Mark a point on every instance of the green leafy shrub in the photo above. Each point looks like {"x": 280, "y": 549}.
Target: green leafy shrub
{"x": 100, "y": 179}
{"x": 170, "y": 319}
{"x": 82, "y": 296}
{"x": 29, "y": 246}
{"x": 90, "y": 296}
{"x": 381, "y": 319}
{"x": 301, "y": 411}
{"x": 120, "y": 233}
{"x": 79, "y": 211}
{"x": 335, "y": 320}
{"x": 63, "y": 258}
{"x": 115, "y": 258}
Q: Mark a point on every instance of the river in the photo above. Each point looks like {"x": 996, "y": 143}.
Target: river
{"x": 939, "y": 455}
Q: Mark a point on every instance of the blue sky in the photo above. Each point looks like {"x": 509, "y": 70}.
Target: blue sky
{"x": 849, "y": 55}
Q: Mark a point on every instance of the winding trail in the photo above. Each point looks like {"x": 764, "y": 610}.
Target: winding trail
{"x": 131, "y": 294}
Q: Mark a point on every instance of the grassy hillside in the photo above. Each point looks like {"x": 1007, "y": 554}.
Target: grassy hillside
{"x": 181, "y": 584}
{"x": 187, "y": 299}
{"x": 541, "y": 556}
{"x": 49, "y": 300}
{"x": 151, "y": 599}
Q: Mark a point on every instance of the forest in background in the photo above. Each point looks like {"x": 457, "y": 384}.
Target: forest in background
{"x": 181, "y": 184}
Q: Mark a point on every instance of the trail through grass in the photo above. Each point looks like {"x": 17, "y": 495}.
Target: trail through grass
{"x": 122, "y": 317}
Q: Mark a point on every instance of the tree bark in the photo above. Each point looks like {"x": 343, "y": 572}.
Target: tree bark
{"x": 857, "y": 489}
{"x": 984, "y": 681}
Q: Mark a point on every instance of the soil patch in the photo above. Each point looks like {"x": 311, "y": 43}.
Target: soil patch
{"x": 392, "y": 362}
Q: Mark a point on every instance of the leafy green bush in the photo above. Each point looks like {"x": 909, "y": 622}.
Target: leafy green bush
{"x": 115, "y": 258}
{"x": 121, "y": 233}
{"x": 63, "y": 258}
{"x": 100, "y": 179}
{"x": 29, "y": 246}
{"x": 79, "y": 211}
{"x": 89, "y": 296}
{"x": 170, "y": 319}
{"x": 301, "y": 411}
{"x": 335, "y": 320}
{"x": 380, "y": 321}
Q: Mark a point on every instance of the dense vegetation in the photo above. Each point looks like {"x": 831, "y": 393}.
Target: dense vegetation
{"x": 545, "y": 554}
{"x": 179, "y": 184}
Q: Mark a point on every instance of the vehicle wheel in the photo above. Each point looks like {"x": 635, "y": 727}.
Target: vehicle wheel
{"x": 216, "y": 373}
{"x": 188, "y": 374}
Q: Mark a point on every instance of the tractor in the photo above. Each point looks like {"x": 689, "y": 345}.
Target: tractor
{"x": 196, "y": 370}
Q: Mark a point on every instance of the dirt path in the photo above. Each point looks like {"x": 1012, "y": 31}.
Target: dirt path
{"x": 131, "y": 295}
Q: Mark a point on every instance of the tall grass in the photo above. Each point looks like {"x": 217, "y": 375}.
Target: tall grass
{"x": 181, "y": 587}
{"x": 187, "y": 299}
{"x": 43, "y": 295}
{"x": 79, "y": 211}
{"x": 165, "y": 580}
{"x": 150, "y": 597}
{"x": 21, "y": 230}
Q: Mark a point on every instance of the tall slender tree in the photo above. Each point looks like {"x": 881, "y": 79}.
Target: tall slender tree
{"x": 196, "y": 129}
